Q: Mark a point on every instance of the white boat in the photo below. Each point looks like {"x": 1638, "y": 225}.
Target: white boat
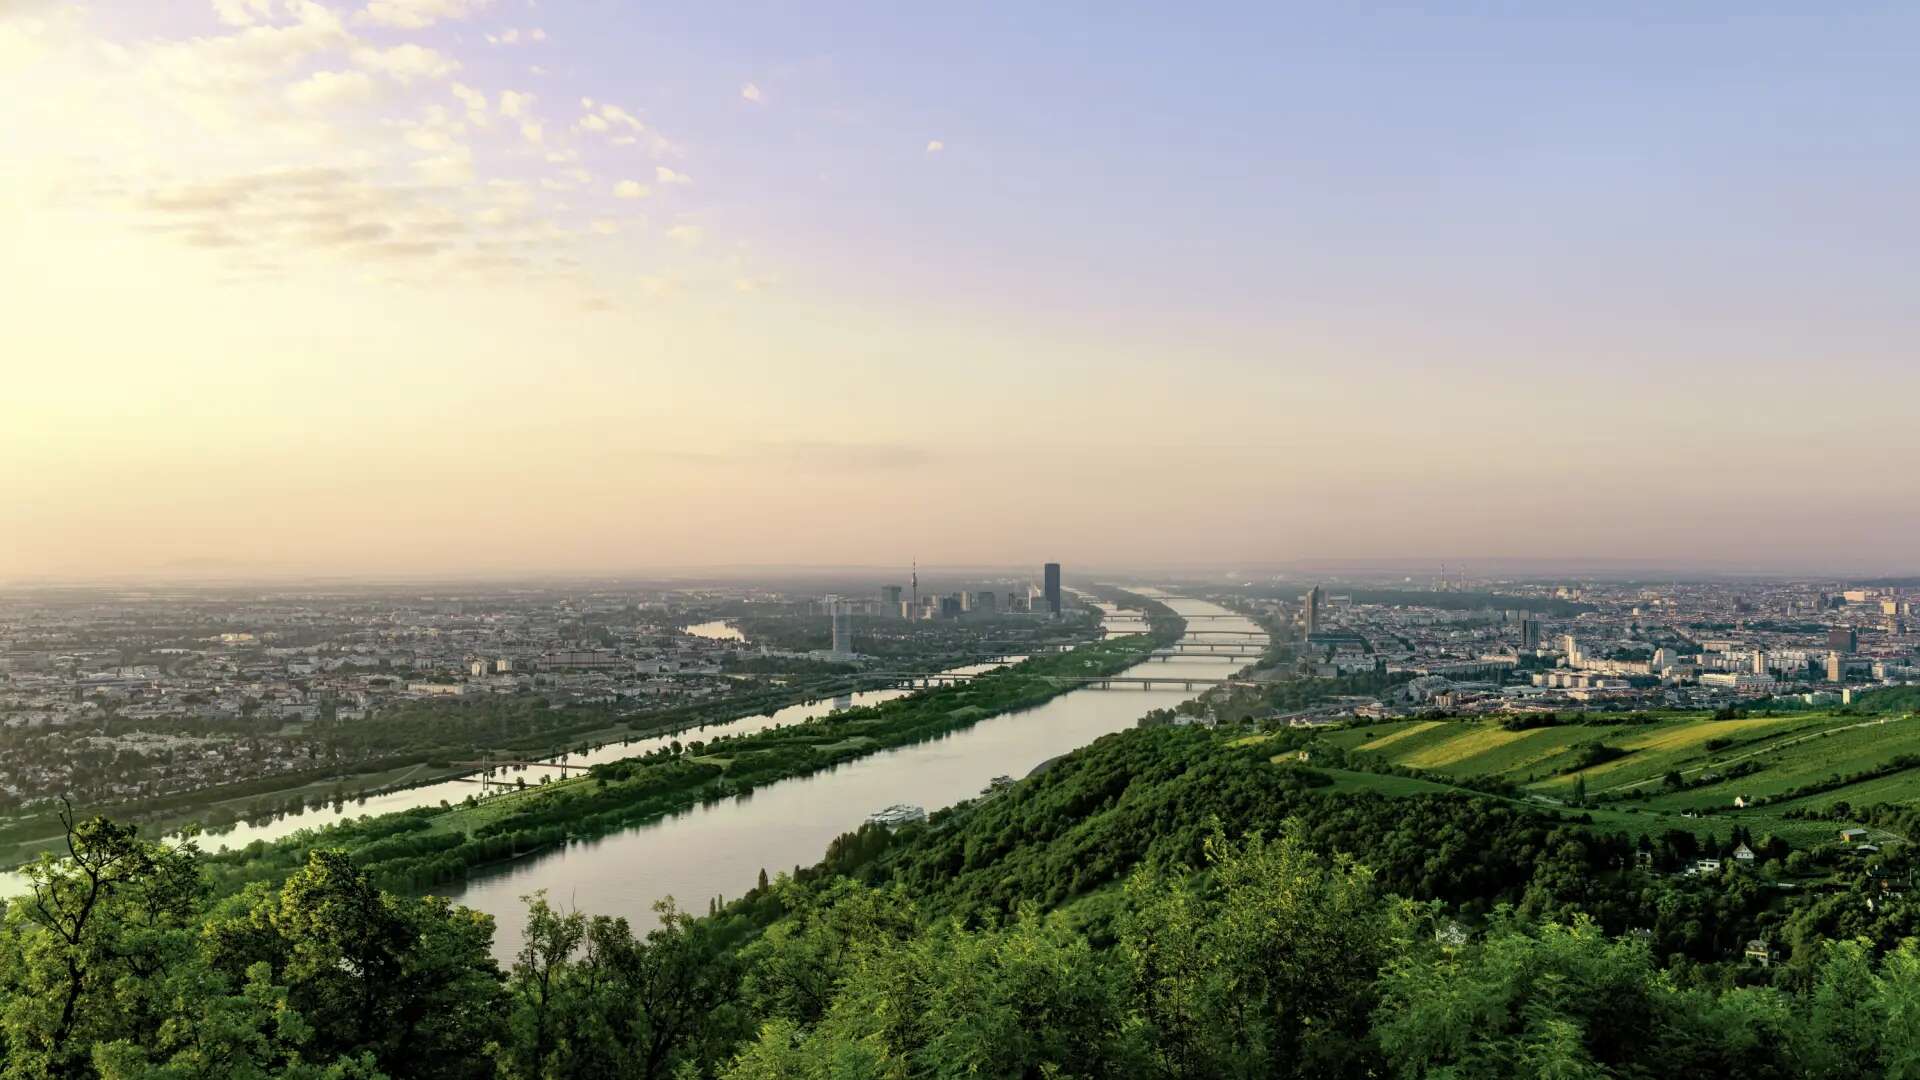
{"x": 897, "y": 815}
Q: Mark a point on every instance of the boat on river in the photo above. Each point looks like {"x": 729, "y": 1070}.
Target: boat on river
{"x": 897, "y": 815}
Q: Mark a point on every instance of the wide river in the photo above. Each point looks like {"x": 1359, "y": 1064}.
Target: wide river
{"x": 453, "y": 791}
{"x": 720, "y": 849}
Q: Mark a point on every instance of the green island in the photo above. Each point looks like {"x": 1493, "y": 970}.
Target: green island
{"x": 429, "y": 846}
{"x": 1516, "y": 897}
{"x": 419, "y": 742}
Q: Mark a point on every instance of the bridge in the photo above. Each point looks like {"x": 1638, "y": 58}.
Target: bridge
{"x": 1179, "y": 654}
{"x": 1090, "y": 682}
{"x": 1226, "y": 633}
{"x": 522, "y": 764}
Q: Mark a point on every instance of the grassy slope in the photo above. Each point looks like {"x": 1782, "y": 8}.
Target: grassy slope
{"x": 1628, "y": 819}
{"x": 1790, "y": 751}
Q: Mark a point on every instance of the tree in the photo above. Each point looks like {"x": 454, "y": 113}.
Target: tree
{"x": 85, "y": 945}
{"x": 409, "y": 982}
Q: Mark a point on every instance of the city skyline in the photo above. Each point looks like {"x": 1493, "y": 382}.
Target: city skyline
{"x": 400, "y": 287}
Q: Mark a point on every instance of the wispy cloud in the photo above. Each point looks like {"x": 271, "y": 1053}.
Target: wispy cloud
{"x": 406, "y": 62}
{"x": 415, "y": 14}
{"x": 278, "y": 133}
{"x": 513, "y": 36}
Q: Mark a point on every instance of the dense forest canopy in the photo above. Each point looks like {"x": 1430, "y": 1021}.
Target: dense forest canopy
{"x": 1167, "y": 902}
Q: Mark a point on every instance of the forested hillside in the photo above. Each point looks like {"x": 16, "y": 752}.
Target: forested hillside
{"x": 1166, "y": 902}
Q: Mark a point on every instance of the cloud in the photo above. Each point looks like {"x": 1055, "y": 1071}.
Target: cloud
{"x": 618, "y": 115}
{"x": 331, "y": 89}
{"x": 687, "y": 235}
{"x": 406, "y": 62}
{"x": 934, "y": 146}
{"x": 282, "y": 211}
{"x": 452, "y": 169}
{"x": 750, "y": 92}
{"x": 752, "y": 284}
{"x": 515, "y": 105}
{"x": 666, "y": 176}
{"x": 244, "y": 61}
{"x": 569, "y": 179}
{"x": 242, "y": 12}
{"x": 511, "y": 36}
{"x": 284, "y": 172}
{"x": 414, "y": 14}
{"x": 474, "y": 100}
{"x": 438, "y": 134}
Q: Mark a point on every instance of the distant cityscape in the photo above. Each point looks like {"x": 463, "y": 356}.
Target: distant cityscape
{"x": 1502, "y": 647}
{"x": 126, "y": 697}
{"x": 108, "y": 695}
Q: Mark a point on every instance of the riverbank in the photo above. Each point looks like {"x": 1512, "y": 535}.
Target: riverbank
{"x": 425, "y": 847}
{"x": 719, "y": 849}
{"x": 234, "y": 815}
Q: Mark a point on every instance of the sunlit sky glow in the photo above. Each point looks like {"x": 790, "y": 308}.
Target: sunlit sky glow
{"x": 500, "y": 287}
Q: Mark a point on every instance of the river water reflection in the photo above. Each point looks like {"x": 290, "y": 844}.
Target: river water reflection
{"x": 453, "y": 791}
{"x": 720, "y": 849}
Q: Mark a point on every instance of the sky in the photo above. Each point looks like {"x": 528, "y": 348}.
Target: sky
{"x": 501, "y": 287}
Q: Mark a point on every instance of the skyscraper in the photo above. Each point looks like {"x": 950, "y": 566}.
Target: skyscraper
{"x": 842, "y": 615}
{"x": 1843, "y": 639}
{"x": 1310, "y": 610}
{"x": 1052, "y": 573}
{"x": 1529, "y": 633}
{"x": 890, "y": 595}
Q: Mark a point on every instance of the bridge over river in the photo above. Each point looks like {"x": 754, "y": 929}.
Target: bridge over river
{"x": 719, "y": 849}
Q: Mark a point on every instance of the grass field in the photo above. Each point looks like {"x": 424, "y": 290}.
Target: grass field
{"x": 1785, "y": 753}
{"x": 1631, "y": 820}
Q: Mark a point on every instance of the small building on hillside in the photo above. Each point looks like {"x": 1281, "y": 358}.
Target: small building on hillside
{"x": 1758, "y": 952}
{"x": 1744, "y": 854}
{"x": 1853, "y": 836}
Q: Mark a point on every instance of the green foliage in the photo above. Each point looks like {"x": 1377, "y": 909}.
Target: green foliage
{"x": 450, "y": 843}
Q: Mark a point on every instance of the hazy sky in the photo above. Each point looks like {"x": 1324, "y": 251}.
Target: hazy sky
{"x": 427, "y": 286}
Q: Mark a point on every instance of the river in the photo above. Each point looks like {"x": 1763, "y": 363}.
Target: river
{"x": 452, "y": 791}
{"x": 720, "y": 849}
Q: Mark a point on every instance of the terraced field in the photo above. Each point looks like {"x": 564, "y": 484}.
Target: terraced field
{"x": 1785, "y": 753}
{"x": 1632, "y": 820}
